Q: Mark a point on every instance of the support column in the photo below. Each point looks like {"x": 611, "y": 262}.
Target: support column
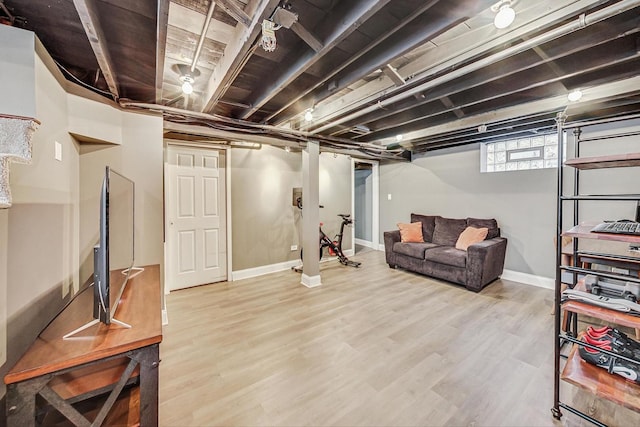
{"x": 311, "y": 214}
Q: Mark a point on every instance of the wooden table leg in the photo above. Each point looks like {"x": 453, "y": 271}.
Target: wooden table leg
{"x": 21, "y": 401}
{"x": 149, "y": 359}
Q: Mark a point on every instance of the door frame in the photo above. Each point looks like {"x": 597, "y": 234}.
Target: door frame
{"x": 375, "y": 204}
{"x": 212, "y": 146}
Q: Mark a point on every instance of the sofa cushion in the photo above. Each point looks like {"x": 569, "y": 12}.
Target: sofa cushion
{"x": 447, "y": 230}
{"x": 411, "y": 232}
{"x": 491, "y": 224}
{"x": 447, "y": 255}
{"x": 470, "y": 236}
{"x": 428, "y": 224}
{"x": 414, "y": 250}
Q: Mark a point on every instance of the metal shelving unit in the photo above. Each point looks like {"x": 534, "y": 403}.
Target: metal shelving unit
{"x": 571, "y": 368}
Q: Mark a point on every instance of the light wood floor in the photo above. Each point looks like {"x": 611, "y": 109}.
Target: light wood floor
{"x": 371, "y": 346}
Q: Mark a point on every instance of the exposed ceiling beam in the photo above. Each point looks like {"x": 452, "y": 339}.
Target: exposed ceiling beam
{"x": 553, "y": 34}
{"x": 446, "y": 101}
{"x": 393, "y": 74}
{"x": 488, "y": 94}
{"x": 363, "y": 11}
{"x": 555, "y": 103}
{"x": 235, "y": 12}
{"x": 161, "y": 43}
{"x": 307, "y": 36}
{"x": 600, "y": 56}
{"x": 237, "y": 52}
{"x": 450, "y": 55}
{"x": 305, "y": 93}
{"x": 91, "y": 23}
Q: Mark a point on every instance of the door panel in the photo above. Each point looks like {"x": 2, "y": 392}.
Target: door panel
{"x": 196, "y": 236}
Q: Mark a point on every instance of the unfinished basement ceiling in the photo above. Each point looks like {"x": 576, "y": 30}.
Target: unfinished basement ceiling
{"x": 432, "y": 71}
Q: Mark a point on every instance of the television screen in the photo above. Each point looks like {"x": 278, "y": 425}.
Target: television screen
{"x": 113, "y": 255}
{"x": 120, "y": 234}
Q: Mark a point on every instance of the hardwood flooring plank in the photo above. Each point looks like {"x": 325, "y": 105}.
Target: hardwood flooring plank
{"x": 372, "y": 346}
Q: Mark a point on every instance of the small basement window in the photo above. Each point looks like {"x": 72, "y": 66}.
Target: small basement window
{"x": 536, "y": 152}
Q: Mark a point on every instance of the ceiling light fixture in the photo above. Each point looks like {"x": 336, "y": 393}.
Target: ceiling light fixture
{"x": 505, "y": 14}
{"x": 308, "y": 116}
{"x": 186, "y": 76}
{"x": 187, "y": 84}
{"x": 399, "y": 137}
{"x": 574, "y": 95}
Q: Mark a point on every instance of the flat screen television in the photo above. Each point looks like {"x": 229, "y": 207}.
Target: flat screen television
{"x": 113, "y": 256}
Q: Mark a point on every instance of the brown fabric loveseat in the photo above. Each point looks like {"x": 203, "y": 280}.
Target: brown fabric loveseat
{"x": 437, "y": 257}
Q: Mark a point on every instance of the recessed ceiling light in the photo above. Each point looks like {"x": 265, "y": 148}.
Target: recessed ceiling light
{"x": 574, "y": 95}
{"x": 505, "y": 15}
{"x": 399, "y": 137}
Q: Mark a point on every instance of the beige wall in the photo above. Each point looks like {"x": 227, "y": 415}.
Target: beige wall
{"x": 39, "y": 232}
{"x": 45, "y": 235}
{"x": 265, "y": 224}
{"x": 449, "y": 183}
{"x": 139, "y": 158}
{"x": 335, "y": 195}
{"x": 17, "y": 73}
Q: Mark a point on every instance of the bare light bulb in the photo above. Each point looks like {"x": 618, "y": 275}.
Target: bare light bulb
{"x": 574, "y": 95}
{"x": 504, "y": 17}
{"x": 187, "y": 88}
{"x": 308, "y": 116}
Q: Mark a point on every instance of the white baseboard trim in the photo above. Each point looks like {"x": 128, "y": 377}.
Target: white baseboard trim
{"x": 364, "y": 243}
{"x": 264, "y": 269}
{"x": 311, "y": 281}
{"x": 529, "y": 279}
{"x": 347, "y": 252}
{"x": 381, "y": 247}
{"x": 165, "y": 317}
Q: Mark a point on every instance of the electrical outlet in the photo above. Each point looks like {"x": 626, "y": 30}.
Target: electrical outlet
{"x": 389, "y": 196}
{"x": 294, "y": 248}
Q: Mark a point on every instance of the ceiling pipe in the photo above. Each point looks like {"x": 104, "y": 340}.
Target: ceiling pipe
{"x": 472, "y": 83}
{"x": 203, "y": 35}
{"x": 583, "y": 21}
{"x": 282, "y": 132}
{"x": 486, "y": 98}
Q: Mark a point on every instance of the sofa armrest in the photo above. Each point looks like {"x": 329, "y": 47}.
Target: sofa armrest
{"x": 390, "y": 238}
{"x": 485, "y": 262}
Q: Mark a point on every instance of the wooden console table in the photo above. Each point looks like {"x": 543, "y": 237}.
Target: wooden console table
{"x": 100, "y": 359}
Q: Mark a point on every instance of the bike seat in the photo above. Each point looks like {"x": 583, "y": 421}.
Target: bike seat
{"x": 345, "y": 216}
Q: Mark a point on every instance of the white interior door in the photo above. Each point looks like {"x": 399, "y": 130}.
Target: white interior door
{"x": 365, "y": 202}
{"x": 196, "y": 208}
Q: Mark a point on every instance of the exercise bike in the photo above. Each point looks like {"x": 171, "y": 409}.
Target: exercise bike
{"x": 334, "y": 246}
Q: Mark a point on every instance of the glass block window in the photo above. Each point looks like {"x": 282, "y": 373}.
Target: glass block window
{"x": 536, "y": 152}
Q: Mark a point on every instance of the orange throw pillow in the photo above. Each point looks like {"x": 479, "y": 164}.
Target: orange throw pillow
{"x": 411, "y": 233}
{"x": 469, "y": 236}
